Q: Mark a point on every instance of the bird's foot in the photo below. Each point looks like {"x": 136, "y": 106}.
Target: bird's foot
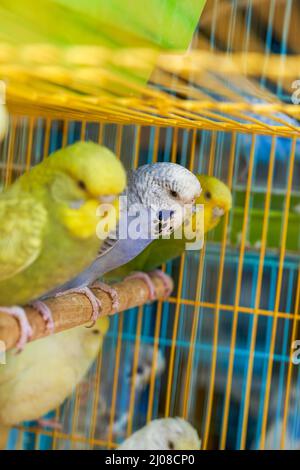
{"x": 54, "y": 424}
{"x": 95, "y": 302}
{"x": 147, "y": 279}
{"x": 109, "y": 290}
{"x": 46, "y": 313}
{"x": 165, "y": 280}
{"x": 25, "y": 327}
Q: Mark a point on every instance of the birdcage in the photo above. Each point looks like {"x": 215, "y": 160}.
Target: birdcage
{"x": 219, "y": 350}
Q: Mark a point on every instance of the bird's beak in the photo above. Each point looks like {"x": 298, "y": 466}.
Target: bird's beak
{"x": 107, "y": 199}
{"x": 218, "y": 211}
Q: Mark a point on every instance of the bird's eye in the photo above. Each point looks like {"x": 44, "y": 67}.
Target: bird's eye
{"x": 171, "y": 445}
{"x": 207, "y": 195}
{"x": 173, "y": 193}
{"x": 140, "y": 370}
{"x": 82, "y": 185}
{"x": 96, "y": 332}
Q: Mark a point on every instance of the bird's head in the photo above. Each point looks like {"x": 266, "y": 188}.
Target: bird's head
{"x": 142, "y": 373}
{"x": 216, "y": 198}
{"x": 79, "y": 178}
{"x": 176, "y": 434}
{"x": 164, "y": 187}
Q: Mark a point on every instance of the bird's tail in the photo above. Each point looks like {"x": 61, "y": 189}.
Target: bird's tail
{"x": 4, "y": 431}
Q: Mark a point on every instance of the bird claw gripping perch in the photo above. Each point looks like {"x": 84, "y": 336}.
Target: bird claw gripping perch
{"x": 147, "y": 279}
{"x": 26, "y": 330}
{"x": 46, "y": 313}
{"x": 165, "y": 280}
{"x": 95, "y": 302}
{"x": 110, "y": 291}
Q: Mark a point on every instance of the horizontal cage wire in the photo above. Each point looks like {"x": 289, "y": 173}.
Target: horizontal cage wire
{"x": 218, "y": 350}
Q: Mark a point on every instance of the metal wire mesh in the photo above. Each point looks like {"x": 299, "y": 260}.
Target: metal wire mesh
{"x": 218, "y": 351}
{"x": 223, "y": 338}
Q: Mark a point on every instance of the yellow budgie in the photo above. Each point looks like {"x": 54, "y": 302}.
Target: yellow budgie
{"x": 45, "y": 374}
{"x": 48, "y": 224}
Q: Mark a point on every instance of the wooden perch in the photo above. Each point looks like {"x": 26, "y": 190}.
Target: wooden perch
{"x": 75, "y": 309}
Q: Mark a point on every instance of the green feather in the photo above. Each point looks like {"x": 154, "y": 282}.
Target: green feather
{"x": 38, "y": 250}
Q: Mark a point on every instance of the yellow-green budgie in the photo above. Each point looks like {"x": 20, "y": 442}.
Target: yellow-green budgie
{"x": 48, "y": 222}
{"x": 45, "y": 374}
{"x": 216, "y": 199}
{"x": 164, "y": 434}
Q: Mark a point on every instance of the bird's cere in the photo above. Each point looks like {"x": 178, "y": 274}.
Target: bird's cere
{"x": 76, "y": 204}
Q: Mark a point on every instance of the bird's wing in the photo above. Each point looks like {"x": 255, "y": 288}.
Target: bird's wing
{"x": 106, "y": 246}
{"x": 113, "y": 253}
{"x": 22, "y": 222}
{"x": 161, "y": 251}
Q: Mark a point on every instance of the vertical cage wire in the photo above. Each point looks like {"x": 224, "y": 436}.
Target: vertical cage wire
{"x": 222, "y": 348}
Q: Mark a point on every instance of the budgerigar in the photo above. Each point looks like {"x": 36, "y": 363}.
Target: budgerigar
{"x": 48, "y": 225}
{"x": 45, "y": 374}
{"x": 263, "y": 143}
{"x": 217, "y": 200}
{"x": 131, "y": 377}
{"x": 3, "y": 120}
{"x": 161, "y": 191}
{"x": 164, "y": 434}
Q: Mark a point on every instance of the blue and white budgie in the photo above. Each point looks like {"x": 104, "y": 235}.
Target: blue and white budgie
{"x": 263, "y": 143}
{"x": 247, "y": 91}
{"x": 161, "y": 192}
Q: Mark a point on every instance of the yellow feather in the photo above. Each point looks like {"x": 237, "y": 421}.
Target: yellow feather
{"x": 45, "y": 374}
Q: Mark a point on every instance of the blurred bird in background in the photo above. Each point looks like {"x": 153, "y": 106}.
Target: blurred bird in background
{"x": 276, "y": 429}
{"x": 129, "y": 381}
{"x": 251, "y": 94}
{"x": 48, "y": 225}
{"x": 164, "y": 434}
{"x": 45, "y": 374}
{"x": 263, "y": 143}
